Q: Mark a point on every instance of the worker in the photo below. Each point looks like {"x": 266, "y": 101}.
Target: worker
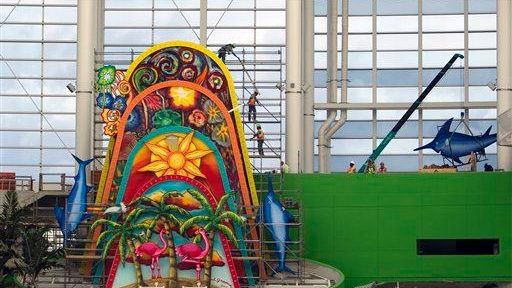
{"x": 472, "y": 161}
{"x": 224, "y": 50}
{"x": 488, "y": 167}
{"x": 253, "y": 100}
{"x": 351, "y": 167}
{"x": 284, "y": 168}
{"x": 370, "y": 167}
{"x": 382, "y": 168}
{"x": 260, "y": 137}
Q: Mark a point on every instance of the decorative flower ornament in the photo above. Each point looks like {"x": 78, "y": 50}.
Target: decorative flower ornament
{"x": 216, "y": 81}
{"x": 183, "y": 98}
{"x": 187, "y": 56}
{"x": 197, "y": 118}
{"x": 166, "y": 117}
{"x": 212, "y": 111}
{"x": 119, "y": 104}
{"x": 106, "y": 76}
{"x": 104, "y": 100}
{"x": 221, "y": 134}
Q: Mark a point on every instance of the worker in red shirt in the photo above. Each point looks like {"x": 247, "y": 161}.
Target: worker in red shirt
{"x": 253, "y": 100}
{"x": 260, "y": 137}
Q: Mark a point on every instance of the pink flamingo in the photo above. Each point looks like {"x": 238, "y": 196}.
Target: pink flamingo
{"x": 193, "y": 253}
{"x": 153, "y": 250}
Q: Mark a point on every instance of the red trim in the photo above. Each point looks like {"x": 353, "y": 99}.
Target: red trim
{"x": 206, "y": 192}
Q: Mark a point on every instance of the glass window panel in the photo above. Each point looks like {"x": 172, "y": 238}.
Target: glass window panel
{"x": 396, "y": 7}
{"x": 397, "y": 77}
{"x": 321, "y": 24}
{"x": 174, "y": 18}
{"x": 454, "y": 77}
{"x": 20, "y": 121}
{"x": 351, "y": 146}
{"x": 59, "y": 121}
{"x": 482, "y": 40}
{"x": 481, "y": 93}
{"x": 359, "y": 24}
{"x": 16, "y": 104}
{"x": 221, "y": 36}
{"x": 397, "y": 59}
{"x": 446, "y": 94}
{"x": 234, "y": 18}
{"x": 60, "y": 14}
{"x": 320, "y": 95}
{"x": 128, "y": 18}
{"x": 320, "y": 115}
{"x": 394, "y": 114}
{"x": 441, "y": 114}
{"x": 358, "y": 78}
{"x": 482, "y": 114}
{"x": 409, "y": 130}
{"x": 443, "y": 41}
{"x": 11, "y": 86}
{"x": 400, "y": 146}
{"x": 359, "y": 60}
{"x": 50, "y": 139}
{"x": 321, "y": 60}
{"x": 321, "y": 42}
{"x": 59, "y": 51}
{"x": 481, "y": 76}
{"x": 481, "y": 22}
{"x": 54, "y": 157}
{"x": 438, "y": 59}
{"x": 438, "y": 23}
{"x": 17, "y": 138}
{"x": 21, "y": 50}
{"x": 397, "y": 23}
{"x": 440, "y": 7}
{"x": 59, "y": 69}
{"x": 359, "y": 95}
{"x": 161, "y": 35}
{"x": 60, "y": 32}
{"x": 20, "y": 68}
{"x": 236, "y": 4}
{"x": 359, "y": 42}
{"x": 482, "y": 58}
{"x": 25, "y": 32}
{"x": 397, "y": 41}
{"x": 270, "y": 4}
{"x": 31, "y": 14}
{"x": 320, "y": 7}
{"x": 359, "y": 114}
{"x": 265, "y": 18}
{"x": 19, "y": 156}
{"x": 351, "y": 129}
{"x": 358, "y": 7}
{"x": 482, "y": 6}
{"x": 269, "y": 36}
{"x": 127, "y": 36}
{"x": 134, "y": 4}
{"x": 59, "y": 104}
{"x": 55, "y": 87}
{"x": 397, "y": 94}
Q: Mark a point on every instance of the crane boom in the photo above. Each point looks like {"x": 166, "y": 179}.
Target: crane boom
{"x": 409, "y": 111}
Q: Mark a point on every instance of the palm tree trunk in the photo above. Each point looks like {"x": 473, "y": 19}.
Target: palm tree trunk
{"x": 138, "y": 270}
{"x": 173, "y": 275}
{"x": 208, "y": 263}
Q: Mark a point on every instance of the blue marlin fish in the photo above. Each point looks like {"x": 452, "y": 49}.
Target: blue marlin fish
{"x": 277, "y": 220}
{"x": 453, "y": 145}
{"x": 76, "y": 209}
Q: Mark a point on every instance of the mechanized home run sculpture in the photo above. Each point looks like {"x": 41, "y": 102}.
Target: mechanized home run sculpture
{"x": 177, "y": 158}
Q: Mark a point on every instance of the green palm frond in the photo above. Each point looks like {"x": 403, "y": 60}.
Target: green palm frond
{"x": 200, "y": 197}
{"x": 106, "y": 248}
{"x": 106, "y": 222}
{"x": 134, "y": 214}
{"x": 222, "y": 202}
{"x": 103, "y": 235}
{"x": 171, "y": 194}
{"x": 173, "y": 220}
{"x": 122, "y": 247}
{"x": 228, "y": 233}
{"x": 232, "y": 216}
{"x": 146, "y": 199}
{"x": 193, "y": 220}
{"x": 175, "y": 209}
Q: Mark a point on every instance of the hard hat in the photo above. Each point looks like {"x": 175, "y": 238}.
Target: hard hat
{"x": 352, "y": 162}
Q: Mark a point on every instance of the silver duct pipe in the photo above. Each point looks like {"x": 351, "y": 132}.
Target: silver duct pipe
{"x": 308, "y": 70}
{"x": 332, "y": 83}
{"x": 344, "y": 77}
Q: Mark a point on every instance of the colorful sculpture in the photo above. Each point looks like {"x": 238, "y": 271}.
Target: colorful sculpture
{"x": 76, "y": 202}
{"x": 152, "y": 249}
{"x": 277, "y": 220}
{"x": 193, "y": 253}
{"x": 452, "y": 145}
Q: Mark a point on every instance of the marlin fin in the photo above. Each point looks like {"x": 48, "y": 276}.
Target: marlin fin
{"x": 59, "y": 215}
{"x": 488, "y": 131}
{"x": 82, "y": 162}
{"x": 445, "y": 129}
{"x": 456, "y": 159}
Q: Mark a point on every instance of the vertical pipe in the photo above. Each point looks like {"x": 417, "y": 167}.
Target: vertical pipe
{"x": 293, "y": 85}
{"x": 420, "y": 81}
{"x": 86, "y": 39}
{"x": 203, "y": 20}
{"x": 344, "y": 78}
{"x": 465, "y": 83}
{"x": 324, "y": 150}
{"x": 504, "y": 73}
{"x": 374, "y": 73}
{"x": 309, "y": 85}
{"x": 99, "y": 58}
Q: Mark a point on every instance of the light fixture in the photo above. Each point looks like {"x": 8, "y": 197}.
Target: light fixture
{"x": 492, "y": 85}
{"x": 71, "y": 87}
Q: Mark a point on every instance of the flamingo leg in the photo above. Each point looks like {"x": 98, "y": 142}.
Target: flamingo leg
{"x": 198, "y": 272}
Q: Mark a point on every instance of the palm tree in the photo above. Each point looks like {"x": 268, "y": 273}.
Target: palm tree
{"x": 169, "y": 215}
{"x": 125, "y": 232}
{"x": 213, "y": 222}
{"x": 39, "y": 253}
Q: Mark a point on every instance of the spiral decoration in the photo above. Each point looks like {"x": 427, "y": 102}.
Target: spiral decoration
{"x": 166, "y": 62}
{"x": 144, "y": 77}
{"x": 124, "y": 87}
{"x": 186, "y": 56}
{"x": 216, "y": 81}
{"x": 189, "y": 72}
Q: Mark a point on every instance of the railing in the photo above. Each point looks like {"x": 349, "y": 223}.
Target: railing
{"x": 18, "y": 183}
{"x": 60, "y": 182}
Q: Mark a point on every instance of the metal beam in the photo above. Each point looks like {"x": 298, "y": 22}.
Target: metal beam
{"x": 399, "y": 106}
{"x": 203, "y": 21}
{"x": 309, "y": 85}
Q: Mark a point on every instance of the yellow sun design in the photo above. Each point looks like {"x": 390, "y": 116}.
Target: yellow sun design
{"x": 183, "y": 97}
{"x": 181, "y": 160}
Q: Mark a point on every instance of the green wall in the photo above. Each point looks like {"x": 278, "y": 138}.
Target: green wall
{"x": 367, "y": 225}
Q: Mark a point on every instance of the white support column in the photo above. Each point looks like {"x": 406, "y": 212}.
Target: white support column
{"x": 504, "y": 73}
{"x": 293, "y": 85}
{"x": 309, "y": 85}
{"x": 203, "y": 21}
{"x": 86, "y": 40}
